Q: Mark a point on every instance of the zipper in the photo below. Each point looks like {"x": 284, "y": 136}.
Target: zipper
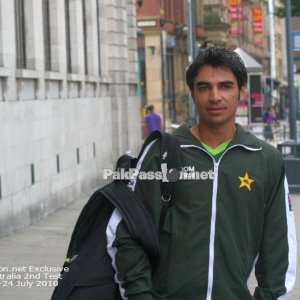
{"x": 214, "y": 212}
{"x": 212, "y": 231}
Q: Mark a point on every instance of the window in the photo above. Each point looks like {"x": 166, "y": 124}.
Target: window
{"x": 47, "y": 37}
{"x": 57, "y": 164}
{"x": 78, "y": 156}
{"x": 84, "y": 37}
{"x": 20, "y": 34}
{"x": 32, "y": 174}
{"x": 68, "y": 40}
{"x": 98, "y": 33}
{"x": 94, "y": 152}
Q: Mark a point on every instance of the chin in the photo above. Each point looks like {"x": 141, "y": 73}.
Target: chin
{"x": 221, "y": 123}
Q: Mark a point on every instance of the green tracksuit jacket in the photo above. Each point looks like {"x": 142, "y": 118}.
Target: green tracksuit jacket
{"x": 235, "y": 216}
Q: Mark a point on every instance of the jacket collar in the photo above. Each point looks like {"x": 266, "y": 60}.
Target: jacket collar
{"x": 245, "y": 138}
{"x": 242, "y": 137}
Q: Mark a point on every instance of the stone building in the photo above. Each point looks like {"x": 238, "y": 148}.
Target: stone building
{"x": 68, "y": 101}
{"x": 163, "y": 44}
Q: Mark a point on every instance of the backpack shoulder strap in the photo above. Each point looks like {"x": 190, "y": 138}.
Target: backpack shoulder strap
{"x": 151, "y": 137}
{"x": 170, "y": 155}
{"x": 170, "y": 159}
{"x": 126, "y": 161}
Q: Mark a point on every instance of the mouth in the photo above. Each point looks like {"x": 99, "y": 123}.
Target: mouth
{"x": 216, "y": 110}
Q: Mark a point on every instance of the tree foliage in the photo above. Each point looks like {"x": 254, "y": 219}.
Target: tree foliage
{"x": 295, "y": 9}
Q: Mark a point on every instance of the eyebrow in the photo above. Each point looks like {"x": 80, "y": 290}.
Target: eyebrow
{"x": 221, "y": 82}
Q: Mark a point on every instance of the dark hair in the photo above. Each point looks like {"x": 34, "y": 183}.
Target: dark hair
{"x": 217, "y": 57}
{"x": 150, "y": 107}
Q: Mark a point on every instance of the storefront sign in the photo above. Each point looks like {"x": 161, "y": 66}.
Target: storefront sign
{"x": 236, "y": 17}
{"x": 258, "y": 28}
{"x": 149, "y": 23}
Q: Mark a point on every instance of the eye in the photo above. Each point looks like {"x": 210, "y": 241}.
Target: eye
{"x": 226, "y": 86}
{"x": 202, "y": 88}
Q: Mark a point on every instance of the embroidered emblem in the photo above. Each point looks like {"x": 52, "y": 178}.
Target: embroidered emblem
{"x": 246, "y": 181}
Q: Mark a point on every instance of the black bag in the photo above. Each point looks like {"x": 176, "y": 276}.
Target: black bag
{"x": 87, "y": 272}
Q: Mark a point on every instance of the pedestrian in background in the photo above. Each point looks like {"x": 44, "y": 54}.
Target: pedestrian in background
{"x": 152, "y": 120}
{"x": 219, "y": 227}
{"x": 269, "y": 119}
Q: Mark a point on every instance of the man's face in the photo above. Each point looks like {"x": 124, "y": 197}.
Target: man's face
{"x": 216, "y": 95}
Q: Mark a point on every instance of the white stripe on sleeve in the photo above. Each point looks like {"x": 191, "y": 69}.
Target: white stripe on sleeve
{"x": 292, "y": 244}
{"x": 111, "y": 229}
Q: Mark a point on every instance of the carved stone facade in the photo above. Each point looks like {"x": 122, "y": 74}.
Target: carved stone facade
{"x": 68, "y": 101}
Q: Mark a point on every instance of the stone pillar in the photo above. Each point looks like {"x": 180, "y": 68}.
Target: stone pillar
{"x": 92, "y": 38}
{"x": 7, "y": 50}
{"x": 58, "y": 42}
{"x": 76, "y": 36}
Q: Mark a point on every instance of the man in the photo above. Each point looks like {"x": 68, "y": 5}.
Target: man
{"x": 269, "y": 118}
{"x": 219, "y": 226}
{"x": 152, "y": 120}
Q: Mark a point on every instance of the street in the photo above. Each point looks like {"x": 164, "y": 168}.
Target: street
{"x": 31, "y": 259}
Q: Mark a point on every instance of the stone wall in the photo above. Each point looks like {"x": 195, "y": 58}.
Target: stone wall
{"x": 58, "y": 130}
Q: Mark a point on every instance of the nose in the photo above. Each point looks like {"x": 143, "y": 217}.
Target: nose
{"x": 215, "y": 95}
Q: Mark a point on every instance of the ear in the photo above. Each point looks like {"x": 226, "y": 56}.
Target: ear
{"x": 243, "y": 93}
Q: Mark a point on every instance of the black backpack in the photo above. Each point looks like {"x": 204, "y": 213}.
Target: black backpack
{"x": 87, "y": 272}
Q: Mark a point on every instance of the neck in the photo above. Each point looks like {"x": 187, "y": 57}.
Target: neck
{"x": 213, "y": 136}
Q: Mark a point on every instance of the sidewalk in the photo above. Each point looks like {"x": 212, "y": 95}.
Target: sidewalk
{"x": 31, "y": 258}
{"x": 34, "y": 256}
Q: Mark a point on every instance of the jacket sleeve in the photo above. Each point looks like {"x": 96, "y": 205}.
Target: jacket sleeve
{"x": 275, "y": 270}
{"x": 132, "y": 262}
{"x": 132, "y": 266}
